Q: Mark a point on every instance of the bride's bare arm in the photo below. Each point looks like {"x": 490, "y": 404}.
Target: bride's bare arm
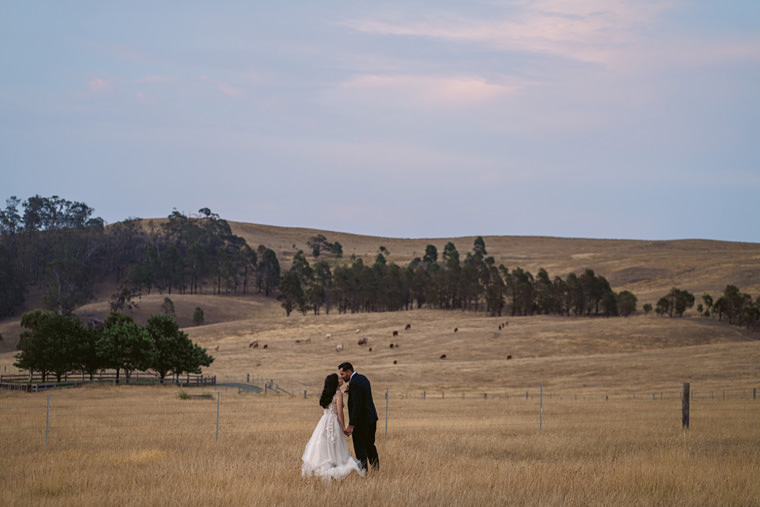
{"x": 339, "y": 407}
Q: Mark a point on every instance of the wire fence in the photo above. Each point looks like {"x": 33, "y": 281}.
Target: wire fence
{"x": 102, "y": 416}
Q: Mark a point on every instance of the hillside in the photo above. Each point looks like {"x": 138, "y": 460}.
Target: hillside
{"x": 647, "y": 268}
{"x": 572, "y": 353}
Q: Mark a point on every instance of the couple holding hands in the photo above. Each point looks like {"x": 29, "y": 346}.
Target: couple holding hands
{"x": 326, "y": 454}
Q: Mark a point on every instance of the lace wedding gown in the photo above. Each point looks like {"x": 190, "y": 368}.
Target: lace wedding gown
{"x": 326, "y": 454}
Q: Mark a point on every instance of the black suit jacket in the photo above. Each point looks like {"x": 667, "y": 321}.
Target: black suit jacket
{"x": 361, "y": 408}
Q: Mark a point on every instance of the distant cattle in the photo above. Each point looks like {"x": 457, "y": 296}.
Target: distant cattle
{"x": 395, "y": 333}
{"x": 456, "y": 329}
{"x": 339, "y": 347}
{"x": 328, "y": 336}
{"x": 358, "y": 330}
{"x": 362, "y": 341}
{"x": 254, "y": 344}
{"x": 408, "y": 326}
{"x": 395, "y": 362}
{"x": 370, "y": 349}
{"x": 394, "y": 345}
{"x": 265, "y": 346}
{"x": 216, "y": 348}
{"x": 304, "y": 340}
{"x": 509, "y": 357}
{"x": 443, "y": 356}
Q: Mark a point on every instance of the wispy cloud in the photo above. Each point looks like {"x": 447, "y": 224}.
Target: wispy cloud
{"x": 593, "y": 31}
{"x": 426, "y": 91}
{"x": 97, "y": 84}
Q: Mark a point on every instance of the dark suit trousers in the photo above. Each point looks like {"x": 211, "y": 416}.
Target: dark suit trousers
{"x": 364, "y": 445}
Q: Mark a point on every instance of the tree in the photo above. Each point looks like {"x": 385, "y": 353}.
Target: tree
{"x": 291, "y": 294}
{"x": 174, "y": 351}
{"x": 126, "y": 346}
{"x": 198, "y": 316}
{"x": 124, "y": 298}
{"x": 626, "y": 303}
{"x": 268, "y": 271}
{"x": 708, "y": 300}
{"x": 49, "y": 344}
{"x": 167, "y": 307}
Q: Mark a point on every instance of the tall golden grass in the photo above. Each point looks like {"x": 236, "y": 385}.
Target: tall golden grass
{"x": 147, "y": 446}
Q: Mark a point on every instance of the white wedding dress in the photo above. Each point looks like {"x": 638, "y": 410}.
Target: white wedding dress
{"x": 326, "y": 454}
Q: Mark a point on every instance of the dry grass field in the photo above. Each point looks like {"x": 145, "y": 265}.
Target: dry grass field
{"x": 461, "y": 430}
{"x": 146, "y": 446}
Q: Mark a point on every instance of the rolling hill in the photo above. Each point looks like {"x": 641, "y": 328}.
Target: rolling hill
{"x": 564, "y": 353}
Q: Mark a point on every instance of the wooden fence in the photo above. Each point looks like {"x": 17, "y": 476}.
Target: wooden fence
{"x": 34, "y": 383}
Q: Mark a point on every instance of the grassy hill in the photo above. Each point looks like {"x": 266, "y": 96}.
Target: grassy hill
{"x": 565, "y": 353}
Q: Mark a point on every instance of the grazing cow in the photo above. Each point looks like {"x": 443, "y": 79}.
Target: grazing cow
{"x": 357, "y": 331}
{"x": 395, "y": 333}
{"x": 408, "y": 326}
{"x": 456, "y": 329}
{"x": 265, "y": 346}
{"x": 339, "y": 347}
{"x": 370, "y": 349}
{"x": 328, "y": 336}
{"x": 254, "y": 344}
{"x": 509, "y": 357}
{"x": 391, "y": 345}
{"x": 443, "y": 356}
{"x": 362, "y": 341}
{"x": 395, "y": 362}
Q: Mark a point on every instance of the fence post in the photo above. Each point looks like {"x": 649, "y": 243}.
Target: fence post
{"x": 218, "y": 402}
{"x": 47, "y": 421}
{"x": 386, "y": 412}
{"x": 685, "y": 405}
{"x": 541, "y": 409}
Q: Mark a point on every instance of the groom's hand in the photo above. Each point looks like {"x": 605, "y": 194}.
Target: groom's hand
{"x": 349, "y": 431}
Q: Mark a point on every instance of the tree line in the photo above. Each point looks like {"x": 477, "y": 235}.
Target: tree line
{"x": 58, "y": 247}
{"x": 736, "y": 307}
{"x": 59, "y": 344}
{"x": 474, "y": 283}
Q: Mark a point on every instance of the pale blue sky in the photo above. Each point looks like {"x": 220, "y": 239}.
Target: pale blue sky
{"x": 595, "y": 118}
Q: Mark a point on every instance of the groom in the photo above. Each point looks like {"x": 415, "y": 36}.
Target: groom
{"x": 362, "y": 416}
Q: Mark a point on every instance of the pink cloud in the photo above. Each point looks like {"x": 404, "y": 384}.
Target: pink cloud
{"x": 448, "y": 91}
{"x": 97, "y": 84}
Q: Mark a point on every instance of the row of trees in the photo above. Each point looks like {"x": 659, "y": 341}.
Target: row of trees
{"x": 476, "y": 283}
{"x": 58, "y": 246}
{"x": 58, "y": 344}
{"x": 737, "y": 307}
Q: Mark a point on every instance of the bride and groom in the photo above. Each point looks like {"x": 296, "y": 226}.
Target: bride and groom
{"x": 326, "y": 453}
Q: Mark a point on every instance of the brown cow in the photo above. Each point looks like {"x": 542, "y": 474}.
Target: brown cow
{"x": 408, "y": 326}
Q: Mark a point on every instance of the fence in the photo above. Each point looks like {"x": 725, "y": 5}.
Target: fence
{"x": 132, "y": 414}
{"x": 35, "y": 383}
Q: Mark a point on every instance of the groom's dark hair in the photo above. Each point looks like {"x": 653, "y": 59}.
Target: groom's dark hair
{"x": 345, "y": 367}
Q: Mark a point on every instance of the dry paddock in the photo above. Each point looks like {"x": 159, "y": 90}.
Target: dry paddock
{"x": 149, "y": 446}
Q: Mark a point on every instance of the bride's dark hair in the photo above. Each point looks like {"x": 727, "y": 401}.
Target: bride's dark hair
{"x": 331, "y": 385}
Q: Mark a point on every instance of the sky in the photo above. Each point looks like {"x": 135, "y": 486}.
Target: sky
{"x": 631, "y": 119}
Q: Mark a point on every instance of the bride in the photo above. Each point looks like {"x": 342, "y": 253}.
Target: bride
{"x": 326, "y": 454}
